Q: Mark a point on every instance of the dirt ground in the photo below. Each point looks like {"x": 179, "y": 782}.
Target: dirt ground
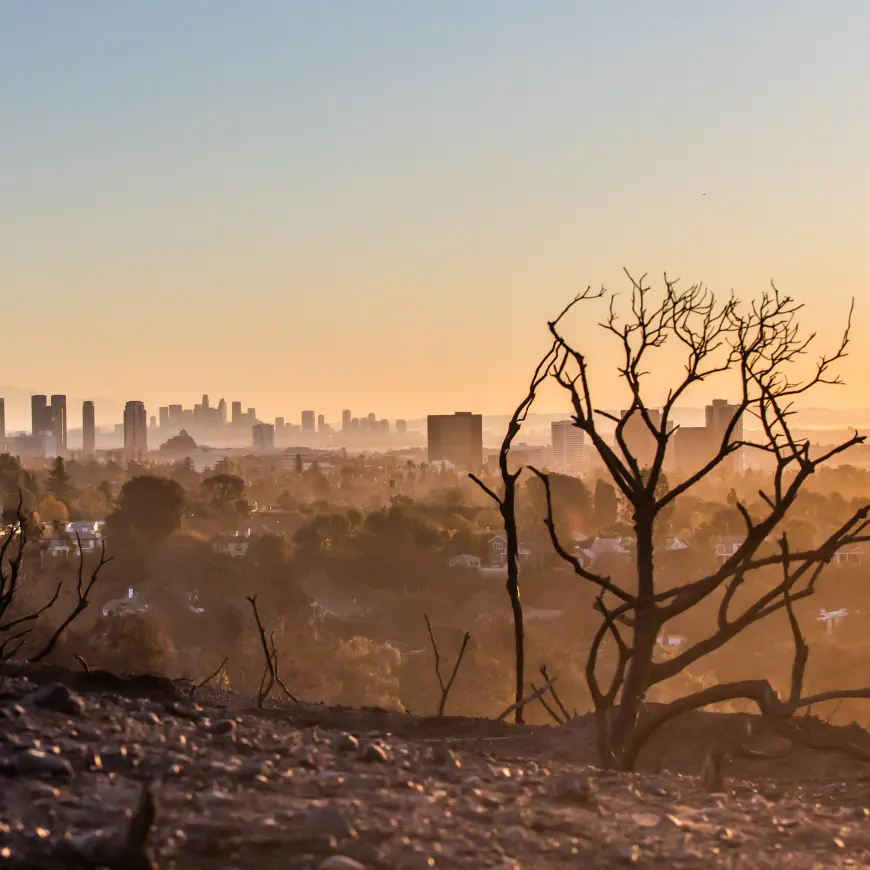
{"x": 86, "y": 758}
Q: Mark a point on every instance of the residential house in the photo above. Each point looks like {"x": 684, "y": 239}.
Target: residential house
{"x": 589, "y": 551}
{"x": 464, "y": 561}
{"x": 62, "y": 544}
{"x": 727, "y": 546}
{"x": 852, "y": 555}
{"x": 498, "y": 551}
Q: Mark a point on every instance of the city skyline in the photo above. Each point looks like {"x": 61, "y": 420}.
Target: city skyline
{"x": 272, "y": 194}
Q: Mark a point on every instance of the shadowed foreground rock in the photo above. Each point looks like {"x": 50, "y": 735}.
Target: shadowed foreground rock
{"x": 139, "y": 775}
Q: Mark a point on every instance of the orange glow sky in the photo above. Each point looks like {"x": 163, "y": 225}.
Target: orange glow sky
{"x": 378, "y": 205}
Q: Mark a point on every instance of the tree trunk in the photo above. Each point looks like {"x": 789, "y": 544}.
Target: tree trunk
{"x": 645, "y": 635}
{"x": 513, "y": 589}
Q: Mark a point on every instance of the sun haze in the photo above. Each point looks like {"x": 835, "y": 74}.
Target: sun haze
{"x": 310, "y": 204}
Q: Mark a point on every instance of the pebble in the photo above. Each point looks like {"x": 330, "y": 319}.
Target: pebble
{"x": 374, "y": 753}
{"x": 59, "y": 698}
{"x": 327, "y": 821}
{"x": 576, "y": 787}
{"x": 346, "y": 743}
{"x": 340, "y": 862}
{"x": 36, "y": 762}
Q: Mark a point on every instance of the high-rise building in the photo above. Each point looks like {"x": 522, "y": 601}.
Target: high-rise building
{"x": 384, "y": 427}
{"x": 2, "y": 419}
{"x": 321, "y": 423}
{"x": 456, "y": 438}
{"x": 279, "y": 424}
{"x": 57, "y": 411}
{"x": 222, "y": 412}
{"x": 89, "y": 429}
{"x": 135, "y": 430}
{"x": 569, "y": 444}
{"x": 642, "y": 444}
{"x": 237, "y": 414}
{"x": 401, "y": 427}
{"x": 345, "y": 420}
{"x": 263, "y": 436}
{"x": 205, "y": 400}
{"x": 719, "y": 415}
{"x": 40, "y": 415}
{"x": 152, "y": 422}
{"x": 308, "y": 421}
{"x": 164, "y": 417}
{"x": 695, "y": 446}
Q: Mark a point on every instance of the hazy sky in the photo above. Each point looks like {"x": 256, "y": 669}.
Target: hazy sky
{"x": 379, "y": 203}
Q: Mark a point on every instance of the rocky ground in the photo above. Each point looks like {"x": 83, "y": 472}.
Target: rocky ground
{"x": 96, "y": 771}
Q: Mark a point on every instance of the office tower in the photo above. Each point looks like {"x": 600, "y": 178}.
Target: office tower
{"x": 372, "y": 418}
{"x": 384, "y": 427}
{"x": 719, "y": 416}
{"x": 2, "y": 419}
{"x": 321, "y": 423}
{"x": 279, "y": 424}
{"x": 135, "y": 430}
{"x": 263, "y": 436}
{"x": 205, "y": 400}
{"x": 176, "y": 417}
{"x": 569, "y": 445}
{"x": 89, "y": 429}
{"x": 639, "y": 439}
{"x": 251, "y": 416}
{"x": 456, "y": 438}
{"x": 345, "y": 420}
{"x": 237, "y": 414}
{"x": 308, "y": 421}
{"x": 401, "y": 427}
{"x": 40, "y": 415}
{"x": 58, "y": 422}
{"x": 222, "y": 412}
{"x": 152, "y": 423}
{"x": 164, "y": 417}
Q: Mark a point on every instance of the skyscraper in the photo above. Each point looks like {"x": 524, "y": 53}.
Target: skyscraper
{"x": 89, "y": 429}
{"x": 237, "y": 414}
{"x": 135, "y": 429}
{"x": 321, "y": 423}
{"x": 308, "y": 421}
{"x": 205, "y": 400}
{"x": 39, "y": 415}
{"x": 345, "y": 420}
{"x": 222, "y": 412}
{"x": 456, "y": 438}
{"x": 263, "y": 436}
{"x": 2, "y": 419}
{"x": 164, "y": 417}
{"x": 58, "y": 422}
{"x": 568, "y": 445}
{"x": 401, "y": 427}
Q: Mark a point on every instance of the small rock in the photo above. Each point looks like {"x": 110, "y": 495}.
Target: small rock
{"x": 222, "y": 726}
{"x": 374, "y": 753}
{"x": 59, "y": 698}
{"x": 327, "y": 821}
{"x": 627, "y": 853}
{"x": 11, "y": 711}
{"x": 578, "y": 787}
{"x": 346, "y": 743}
{"x": 148, "y": 717}
{"x": 340, "y": 862}
{"x": 36, "y": 762}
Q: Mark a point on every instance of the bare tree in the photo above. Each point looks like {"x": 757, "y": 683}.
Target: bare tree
{"x": 445, "y": 687}
{"x": 506, "y": 502}
{"x": 270, "y": 675}
{"x": 760, "y": 345}
{"x": 11, "y": 561}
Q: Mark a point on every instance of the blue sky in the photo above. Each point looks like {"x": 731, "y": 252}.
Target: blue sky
{"x": 379, "y": 204}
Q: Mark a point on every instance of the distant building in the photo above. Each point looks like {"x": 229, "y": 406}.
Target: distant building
{"x": 152, "y": 422}
{"x": 695, "y": 446}
{"x": 222, "y": 412}
{"x": 346, "y": 417}
{"x": 569, "y": 446}
{"x": 237, "y": 414}
{"x": 164, "y": 417}
{"x": 640, "y": 440}
{"x": 279, "y": 425}
{"x": 321, "y": 423}
{"x": 384, "y": 427}
{"x": 2, "y": 419}
{"x": 308, "y": 422}
{"x": 40, "y": 415}
{"x": 527, "y": 454}
{"x": 263, "y": 436}
{"x": 456, "y": 438}
{"x": 135, "y": 430}
{"x": 176, "y": 416}
{"x": 401, "y": 427}
{"x": 58, "y": 422}
{"x": 89, "y": 429}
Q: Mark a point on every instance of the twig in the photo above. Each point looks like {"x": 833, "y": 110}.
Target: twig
{"x": 208, "y": 679}
{"x": 553, "y": 714}
{"x": 265, "y": 685}
{"x": 524, "y": 702}
{"x": 555, "y": 695}
{"x": 445, "y": 689}
{"x": 278, "y": 679}
{"x": 83, "y": 663}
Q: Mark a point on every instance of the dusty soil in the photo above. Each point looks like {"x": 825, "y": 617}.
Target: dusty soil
{"x": 302, "y": 786}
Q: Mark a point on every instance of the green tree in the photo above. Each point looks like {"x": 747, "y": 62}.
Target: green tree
{"x": 58, "y": 483}
{"x": 605, "y": 504}
{"x": 149, "y": 509}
